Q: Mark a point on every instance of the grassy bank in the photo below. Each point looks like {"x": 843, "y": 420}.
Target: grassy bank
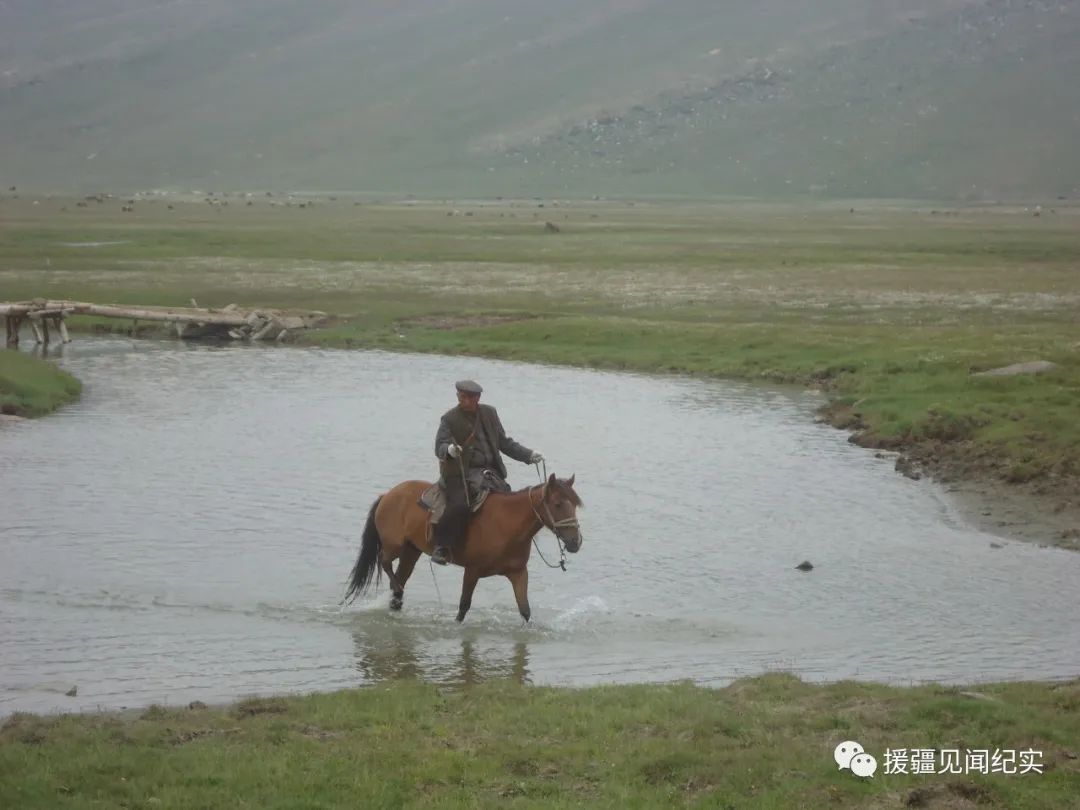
{"x": 33, "y": 387}
{"x": 888, "y": 309}
{"x": 762, "y": 742}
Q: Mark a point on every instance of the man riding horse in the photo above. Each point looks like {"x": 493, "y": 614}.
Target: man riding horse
{"x": 469, "y": 444}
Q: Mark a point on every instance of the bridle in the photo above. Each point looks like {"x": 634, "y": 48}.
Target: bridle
{"x": 552, "y": 524}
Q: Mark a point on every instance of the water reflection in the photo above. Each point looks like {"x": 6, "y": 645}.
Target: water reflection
{"x": 388, "y": 650}
{"x": 50, "y": 351}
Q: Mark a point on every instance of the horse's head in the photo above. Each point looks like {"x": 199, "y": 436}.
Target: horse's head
{"x": 560, "y": 507}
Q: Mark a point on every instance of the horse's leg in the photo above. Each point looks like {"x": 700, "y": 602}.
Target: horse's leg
{"x": 387, "y": 563}
{"x": 520, "y": 580}
{"x": 409, "y": 555}
{"x": 468, "y": 585}
{"x": 392, "y": 549}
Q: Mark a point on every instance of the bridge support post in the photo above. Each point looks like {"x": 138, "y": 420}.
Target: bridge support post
{"x": 12, "y": 324}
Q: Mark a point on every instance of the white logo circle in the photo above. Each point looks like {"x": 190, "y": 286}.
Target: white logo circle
{"x": 863, "y": 765}
{"x": 845, "y": 751}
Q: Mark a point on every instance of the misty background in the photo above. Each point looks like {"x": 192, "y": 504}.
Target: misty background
{"x": 945, "y": 99}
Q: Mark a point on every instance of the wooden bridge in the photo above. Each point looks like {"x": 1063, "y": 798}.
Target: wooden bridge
{"x": 45, "y": 315}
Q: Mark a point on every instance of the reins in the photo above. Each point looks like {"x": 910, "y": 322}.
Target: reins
{"x": 551, "y": 523}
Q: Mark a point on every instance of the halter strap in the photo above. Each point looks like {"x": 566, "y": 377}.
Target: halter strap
{"x": 552, "y": 524}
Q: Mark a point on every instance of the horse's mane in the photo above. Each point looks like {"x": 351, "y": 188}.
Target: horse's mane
{"x": 560, "y": 484}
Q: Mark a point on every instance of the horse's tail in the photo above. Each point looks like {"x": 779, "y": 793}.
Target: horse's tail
{"x": 367, "y": 564}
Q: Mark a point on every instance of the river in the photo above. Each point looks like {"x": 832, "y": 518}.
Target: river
{"x": 185, "y": 531}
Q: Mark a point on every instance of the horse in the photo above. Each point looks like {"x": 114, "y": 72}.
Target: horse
{"x": 497, "y": 539}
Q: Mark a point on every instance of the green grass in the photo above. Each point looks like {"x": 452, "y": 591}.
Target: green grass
{"x": 764, "y": 742}
{"x": 33, "y": 387}
{"x": 903, "y": 390}
{"x": 889, "y": 309}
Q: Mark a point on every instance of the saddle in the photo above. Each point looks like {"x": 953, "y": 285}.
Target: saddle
{"x": 434, "y": 500}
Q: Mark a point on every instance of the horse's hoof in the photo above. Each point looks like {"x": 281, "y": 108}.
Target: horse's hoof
{"x": 440, "y": 556}
{"x": 395, "y": 603}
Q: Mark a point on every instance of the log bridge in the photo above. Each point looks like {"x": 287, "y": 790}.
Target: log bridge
{"x": 190, "y": 322}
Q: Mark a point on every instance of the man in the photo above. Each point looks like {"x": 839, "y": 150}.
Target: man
{"x": 468, "y": 445}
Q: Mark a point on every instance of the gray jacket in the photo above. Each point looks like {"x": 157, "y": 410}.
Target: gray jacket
{"x": 483, "y": 440}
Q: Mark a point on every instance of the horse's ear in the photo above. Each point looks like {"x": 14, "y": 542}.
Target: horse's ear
{"x": 551, "y": 480}
{"x": 570, "y": 480}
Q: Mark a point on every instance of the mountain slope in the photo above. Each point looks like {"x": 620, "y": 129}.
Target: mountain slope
{"x": 933, "y": 98}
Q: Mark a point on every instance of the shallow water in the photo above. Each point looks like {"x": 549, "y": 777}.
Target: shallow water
{"x": 185, "y": 532}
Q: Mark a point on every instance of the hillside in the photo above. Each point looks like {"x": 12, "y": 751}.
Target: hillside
{"x": 970, "y": 99}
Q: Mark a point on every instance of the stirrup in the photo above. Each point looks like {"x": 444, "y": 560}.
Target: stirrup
{"x": 441, "y": 555}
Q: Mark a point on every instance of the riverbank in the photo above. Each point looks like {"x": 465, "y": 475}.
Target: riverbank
{"x": 890, "y": 310}
{"x": 761, "y": 742}
{"x": 30, "y": 386}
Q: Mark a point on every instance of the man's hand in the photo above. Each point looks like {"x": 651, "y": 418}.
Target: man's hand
{"x": 453, "y": 451}
{"x": 535, "y": 458}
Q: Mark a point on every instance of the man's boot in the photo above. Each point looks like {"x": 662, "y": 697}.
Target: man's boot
{"x": 441, "y": 537}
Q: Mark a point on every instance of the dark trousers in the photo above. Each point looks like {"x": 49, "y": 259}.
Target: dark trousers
{"x": 455, "y": 518}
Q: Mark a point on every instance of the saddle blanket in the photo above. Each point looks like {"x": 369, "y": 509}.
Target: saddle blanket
{"x": 434, "y": 500}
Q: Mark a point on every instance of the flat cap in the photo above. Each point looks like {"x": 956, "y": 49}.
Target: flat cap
{"x": 468, "y": 387}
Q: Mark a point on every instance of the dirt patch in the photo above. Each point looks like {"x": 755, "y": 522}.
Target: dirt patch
{"x": 983, "y": 487}
{"x": 988, "y": 493}
{"x": 320, "y": 734}
{"x": 841, "y": 415}
{"x": 646, "y": 284}
{"x": 953, "y": 795}
{"x": 183, "y": 737}
{"x": 1021, "y": 511}
{"x": 255, "y": 706}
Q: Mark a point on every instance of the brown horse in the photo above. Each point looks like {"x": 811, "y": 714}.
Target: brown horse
{"x": 497, "y": 540}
